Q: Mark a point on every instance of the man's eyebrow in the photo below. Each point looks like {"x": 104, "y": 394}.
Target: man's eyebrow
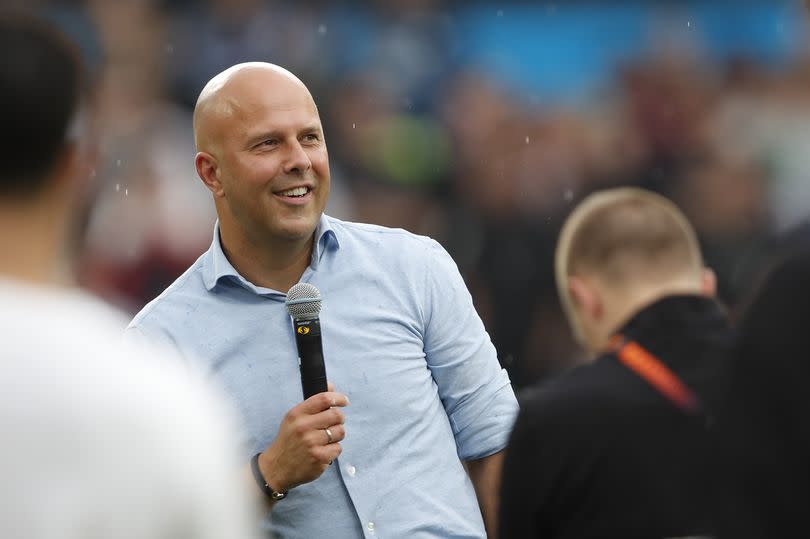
{"x": 262, "y": 135}
{"x": 311, "y": 127}
{"x": 276, "y": 133}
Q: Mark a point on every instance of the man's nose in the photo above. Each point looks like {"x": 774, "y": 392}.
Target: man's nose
{"x": 297, "y": 159}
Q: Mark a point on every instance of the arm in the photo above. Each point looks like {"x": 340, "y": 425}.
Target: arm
{"x": 485, "y": 474}
{"x": 251, "y": 486}
{"x": 475, "y": 391}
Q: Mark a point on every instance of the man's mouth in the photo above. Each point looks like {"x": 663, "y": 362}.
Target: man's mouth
{"x": 295, "y": 192}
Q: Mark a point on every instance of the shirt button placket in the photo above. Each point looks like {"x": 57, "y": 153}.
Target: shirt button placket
{"x": 351, "y": 471}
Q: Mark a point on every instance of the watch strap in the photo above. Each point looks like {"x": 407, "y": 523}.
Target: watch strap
{"x": 262, "y": 482}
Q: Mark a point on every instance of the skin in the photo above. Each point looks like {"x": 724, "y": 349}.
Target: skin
{"x": 485, "y": 475}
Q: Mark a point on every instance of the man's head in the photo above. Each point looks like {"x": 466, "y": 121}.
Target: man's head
{"x": 40, "y": 96}
{"x": 261, "y": 152}
{"x": 46, "y": 149}
{"x": 620, "y": 250}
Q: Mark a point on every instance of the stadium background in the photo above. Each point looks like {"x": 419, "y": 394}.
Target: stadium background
{"x": 478, "y": 123}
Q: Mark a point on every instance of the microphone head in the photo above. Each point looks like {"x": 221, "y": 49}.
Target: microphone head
{"x": 303, "y": 301}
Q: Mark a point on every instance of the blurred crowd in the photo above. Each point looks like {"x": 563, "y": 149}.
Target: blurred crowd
{"x": 428, "y": 133}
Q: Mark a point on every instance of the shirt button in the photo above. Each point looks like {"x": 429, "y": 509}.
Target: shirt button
{"x": 370, "y": 526}
{"x": 351, "y": 470}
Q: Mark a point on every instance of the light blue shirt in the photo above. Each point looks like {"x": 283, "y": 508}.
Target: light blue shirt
{"x": 400, "y": 337}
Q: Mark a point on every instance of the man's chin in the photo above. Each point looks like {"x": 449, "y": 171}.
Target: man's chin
{"x": 298, "y": 230}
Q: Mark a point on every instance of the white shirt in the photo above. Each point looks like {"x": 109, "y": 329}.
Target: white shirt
{"x": 102, "y": 439}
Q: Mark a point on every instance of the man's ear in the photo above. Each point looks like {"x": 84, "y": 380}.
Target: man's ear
{"x": 208, "y": 171}
{"x": 586, "y": 297}
{"x": 708, "y": 282}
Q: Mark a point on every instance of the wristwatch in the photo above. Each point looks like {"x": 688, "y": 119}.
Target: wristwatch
{"x": 260, "y": 480}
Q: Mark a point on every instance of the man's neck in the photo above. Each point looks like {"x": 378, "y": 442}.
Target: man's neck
{"x": 276, "y": 265}
{"x": 32, "y": 245}
{"x": 633, "y": 301}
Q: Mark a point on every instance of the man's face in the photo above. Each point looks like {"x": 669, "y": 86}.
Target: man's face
{"x": 273, "y": 166}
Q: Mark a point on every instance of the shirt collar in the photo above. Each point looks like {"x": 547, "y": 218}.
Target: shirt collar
{"x": 216, "y": 265}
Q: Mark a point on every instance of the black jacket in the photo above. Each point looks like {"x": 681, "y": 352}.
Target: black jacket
{"x": 597, "y": 452}
{"x": 766, "y": 424}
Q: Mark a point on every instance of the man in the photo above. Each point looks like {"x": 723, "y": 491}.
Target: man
{"x": 766, "y": 425}
{"x": 400, "y": 335}
{"x": 99, "y": 440}
{"x": 621, "y": 447}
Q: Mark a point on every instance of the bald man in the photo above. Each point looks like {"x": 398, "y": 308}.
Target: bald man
{"x": 622, "y": 446}
{"x": 429, "y": 401}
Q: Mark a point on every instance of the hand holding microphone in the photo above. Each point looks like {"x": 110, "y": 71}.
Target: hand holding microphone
{"x": 309, "y": 435}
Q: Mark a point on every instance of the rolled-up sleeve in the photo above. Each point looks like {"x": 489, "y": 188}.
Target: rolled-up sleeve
{"x": 474, "y": 389}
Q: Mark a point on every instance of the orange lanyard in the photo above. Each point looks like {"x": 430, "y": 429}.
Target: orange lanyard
{"x": 636, "y": 358}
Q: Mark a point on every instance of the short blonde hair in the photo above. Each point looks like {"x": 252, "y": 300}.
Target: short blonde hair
{"x": 625, "y": 236}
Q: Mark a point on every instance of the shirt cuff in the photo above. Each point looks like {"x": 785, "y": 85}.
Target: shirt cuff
{"x": 483, "y": 424}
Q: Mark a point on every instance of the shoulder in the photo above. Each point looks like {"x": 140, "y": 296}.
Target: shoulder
{"x": 85, "y": 345}
{"x": 32, "y": 308}
{"x": 398, "y": 253}
{"x": 184, "y": 293}
{"x": 393, "y": 239}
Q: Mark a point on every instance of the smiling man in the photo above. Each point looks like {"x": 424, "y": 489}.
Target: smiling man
{"x": 400, "y": 335}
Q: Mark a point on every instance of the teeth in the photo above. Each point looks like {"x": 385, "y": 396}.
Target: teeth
{"x": 295, "y": 192}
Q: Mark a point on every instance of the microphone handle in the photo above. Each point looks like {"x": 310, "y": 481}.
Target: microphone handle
{"x": 310, "y": 356}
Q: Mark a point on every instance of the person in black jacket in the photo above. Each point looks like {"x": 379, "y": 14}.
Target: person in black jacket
{"x": 765, "y": 426}
{"x": 622, "y": 446}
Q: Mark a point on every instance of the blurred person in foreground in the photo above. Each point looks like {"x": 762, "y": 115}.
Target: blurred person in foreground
{"x": 99, "y": 439}
{"x": 401, "y": 337}
{"x": 766, "y": 425}
{"x": 621, "y": 447}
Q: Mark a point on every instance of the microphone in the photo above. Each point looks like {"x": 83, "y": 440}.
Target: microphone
{"x": 304, "y": 304}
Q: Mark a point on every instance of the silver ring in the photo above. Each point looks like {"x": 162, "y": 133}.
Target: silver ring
{"x": 328, "y": 435}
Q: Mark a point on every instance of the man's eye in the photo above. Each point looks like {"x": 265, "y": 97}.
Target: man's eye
{"x": 269, "y": 142}
{"x": 311, "y": 137}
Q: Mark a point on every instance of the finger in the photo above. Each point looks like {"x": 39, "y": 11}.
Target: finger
{"x": 323, "y": 401}
{"x": 329, "y": 435}
{"x": 326, "y": 419}
{"x": 338, "y": 433}
{"x": 327, "y": 453}
{"x": 330, "y": 386}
